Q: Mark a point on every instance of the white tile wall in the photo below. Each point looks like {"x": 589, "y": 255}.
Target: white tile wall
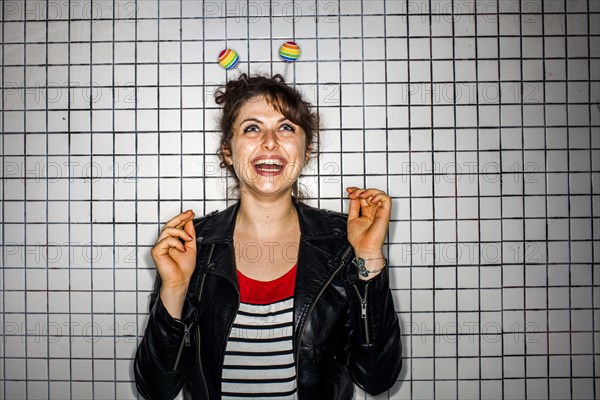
{"x": 479, "y": 117}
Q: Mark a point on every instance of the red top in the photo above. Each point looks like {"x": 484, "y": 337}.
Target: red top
{"x": 259, "y": 292}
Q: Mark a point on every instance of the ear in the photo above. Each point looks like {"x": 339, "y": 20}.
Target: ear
{"x": 226, "y": 155}
{"x": 307, "y": 155}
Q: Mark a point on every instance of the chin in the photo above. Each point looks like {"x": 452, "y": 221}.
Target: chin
{"x": 267, "y": 190}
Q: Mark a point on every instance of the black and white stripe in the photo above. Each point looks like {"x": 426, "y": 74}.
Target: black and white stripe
{"x": 259, "y": 359}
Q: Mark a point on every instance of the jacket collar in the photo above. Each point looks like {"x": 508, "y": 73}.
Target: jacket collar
{"x": 323, "y": 243}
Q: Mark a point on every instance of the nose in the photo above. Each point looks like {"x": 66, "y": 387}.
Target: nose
{"x": 270, "y": 140}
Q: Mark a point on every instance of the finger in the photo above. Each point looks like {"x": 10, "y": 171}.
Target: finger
{"x": 365, "y": 193}
{"x": 370, "y": 192}
{"x": 191, "y": 232}
{"x": 175, "y": 232}
{"x": 180, "y": 219}
{"x": 368, "y": 210}
{"x": 379, "y": 206}
{"x": 363, "y": 203}
{"x": 384, "y": 208}
{"x": 354, "y": 209}
{"x": 355, "y": 193}
{"x": 189, "y": 228}
{"x": 357, "y": 189}
{"x": 380, "y": 198}
{"x": 183, "y": 222}
{"x": 164, "y": 246}
{"x": 381, "y": 224}
{"x": 376, "y": 198}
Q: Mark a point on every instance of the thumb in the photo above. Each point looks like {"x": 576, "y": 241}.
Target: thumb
{"x": 189, "y": 229}
{"x": 354, "y": 209}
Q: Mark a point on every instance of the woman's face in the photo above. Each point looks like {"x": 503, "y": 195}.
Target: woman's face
{"x": 267, "y": 150}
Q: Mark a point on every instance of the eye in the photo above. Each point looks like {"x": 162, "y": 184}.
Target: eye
{"x": 251, "y": 128}
{"x": 288, "y": 127}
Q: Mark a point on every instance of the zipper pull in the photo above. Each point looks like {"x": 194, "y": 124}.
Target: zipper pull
{"x": 363, "y": 311}
{"x": 363, "y": 301}
{"x": 184, "y": 343}
{"x": 186, "y": 335}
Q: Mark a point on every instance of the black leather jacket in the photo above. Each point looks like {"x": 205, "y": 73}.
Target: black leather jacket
{"x": 345, "y": 330}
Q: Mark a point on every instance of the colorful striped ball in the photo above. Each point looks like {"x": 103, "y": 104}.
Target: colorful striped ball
{"x": 228, "y": 59}
{"x": 289, "y": 51}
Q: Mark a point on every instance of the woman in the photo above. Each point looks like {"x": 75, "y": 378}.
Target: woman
{"x": 271, "y": 297}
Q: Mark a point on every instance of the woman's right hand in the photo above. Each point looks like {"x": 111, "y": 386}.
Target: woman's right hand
{"x": 175, "y": 261}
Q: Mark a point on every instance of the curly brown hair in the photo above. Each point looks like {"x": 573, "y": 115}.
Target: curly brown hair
{"x": 282, "y": 97}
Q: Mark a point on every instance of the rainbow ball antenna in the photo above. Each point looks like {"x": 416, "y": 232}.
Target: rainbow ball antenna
{"x": 229, "y": 59}
{"x": 289, "y": 52}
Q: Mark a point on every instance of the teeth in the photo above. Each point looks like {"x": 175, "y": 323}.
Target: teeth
{"x": 269, "y": 162}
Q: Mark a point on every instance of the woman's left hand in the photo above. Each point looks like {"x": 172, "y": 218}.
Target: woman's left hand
{"x": 368, "y": 220}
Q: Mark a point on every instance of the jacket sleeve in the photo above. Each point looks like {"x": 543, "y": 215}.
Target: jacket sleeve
{"x": 158, "y": 361}
{"x": 375, "y": 358}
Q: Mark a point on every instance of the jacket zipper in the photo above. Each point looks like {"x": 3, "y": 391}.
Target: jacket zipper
{"x": 363, "y": 311}
{"x": 232, "y": 320}
{"x": 200, "y": 370}
{"x": 198, "y": 361}
{"x": 198, "y": 342}
{"x": 337, "y": 269}
{"x": 187, "y": 328}
{"x": 185, "y": 342}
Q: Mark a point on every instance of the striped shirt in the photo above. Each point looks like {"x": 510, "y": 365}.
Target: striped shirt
{"x": 259, "y": 359}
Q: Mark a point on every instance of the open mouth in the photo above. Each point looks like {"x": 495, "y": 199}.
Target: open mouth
{"x": 268, "y": 166}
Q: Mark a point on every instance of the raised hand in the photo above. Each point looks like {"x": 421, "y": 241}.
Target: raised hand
{"x": 368, "y": 220}
{"x": 175, "y": 261}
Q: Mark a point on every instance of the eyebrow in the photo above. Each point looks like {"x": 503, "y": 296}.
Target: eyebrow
{"x": 252, "y": 119}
